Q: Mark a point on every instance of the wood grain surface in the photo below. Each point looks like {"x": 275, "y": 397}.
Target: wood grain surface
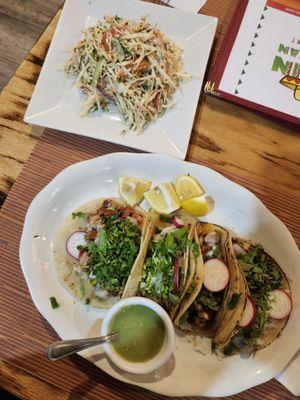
{"x": 263, "y": 154}
{"x": 17, "y": 139}
{"x": 21, "y": 24}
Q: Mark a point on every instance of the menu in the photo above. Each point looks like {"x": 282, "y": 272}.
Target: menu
{"x": 259, "y": 64}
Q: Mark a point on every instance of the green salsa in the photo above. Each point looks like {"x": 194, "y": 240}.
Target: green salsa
{"x": 141, "y": 333}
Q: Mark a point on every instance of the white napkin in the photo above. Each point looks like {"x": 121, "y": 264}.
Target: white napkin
{"x": 187, "y": 5}
{"x": 290, "y": 376}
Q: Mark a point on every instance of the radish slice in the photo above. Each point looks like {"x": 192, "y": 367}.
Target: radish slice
{"x": 179, "y": 223}
{"x": 76, "y": 239}
{"x": 216, "y": 275}
{"x": 176, "y": 276}
{"x": 212, "y": 238}
{"x": 249, "y": 315}
{"x": 280, "y": 304}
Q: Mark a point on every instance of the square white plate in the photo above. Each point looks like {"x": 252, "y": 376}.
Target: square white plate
{"x": 56, "y": 104}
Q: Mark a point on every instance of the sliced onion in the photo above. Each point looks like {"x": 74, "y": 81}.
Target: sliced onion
{"x": 179, "y": 223}
{"x": 212, "y": 238}
{"x": 102, "y": 294}
{"x": 168, "y": 229}
{"x": 84, "y": 258}
{"x": 238, "y": 250}
{"x": 132, "y": 220}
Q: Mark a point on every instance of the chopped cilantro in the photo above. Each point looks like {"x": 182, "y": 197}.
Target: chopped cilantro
{"x": 234, "y": 300}
{"x": 165, "y": 218}
{"x": 211, "y": 300}
{"x": 111, "y": 259}
{"x": 217, "y": 253}
{"x": 102, "y": 238}
{"x": 158, "y": 272}
{"x": 91, "y": 247}
{"x": 54, "y": 303}
{"x": 195, "y": 248}
{"x": 80, "y": 214}
{"x": 263, "y": 276}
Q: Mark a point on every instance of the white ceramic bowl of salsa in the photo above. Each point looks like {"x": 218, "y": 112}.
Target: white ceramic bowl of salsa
{"x": 146, "y": 335}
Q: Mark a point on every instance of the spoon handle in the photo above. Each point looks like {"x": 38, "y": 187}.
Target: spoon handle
{"x": 63, "y": 348}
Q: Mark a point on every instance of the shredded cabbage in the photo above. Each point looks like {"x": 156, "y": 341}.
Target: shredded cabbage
{"x": 130, "y": 64}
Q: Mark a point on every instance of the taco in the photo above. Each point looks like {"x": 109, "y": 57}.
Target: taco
{"x": 213, "y": 307}
{"x": 269, "y": 301}
{"x": 163, "y": 270}
{"x": 97, "y": 247}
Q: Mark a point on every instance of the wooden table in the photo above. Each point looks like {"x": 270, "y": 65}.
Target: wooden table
{"x": 229, "y": 138}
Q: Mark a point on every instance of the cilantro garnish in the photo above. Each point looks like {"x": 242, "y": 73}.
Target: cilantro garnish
{"x": 80, "y": 214}
{"x": 54, "y": 303}
{"x": 111, "y": 260}
{"x": 263, "y": 276}
{"x": 234, "y": 300}
{"x": 211, "y": 300}
{"x": 165, "y": 218}
{"x": 158, "y": 272}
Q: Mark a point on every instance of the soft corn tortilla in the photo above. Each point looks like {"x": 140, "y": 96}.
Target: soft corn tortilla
{"x": 272, "y": 330}
{"x": 66, "y": 265}
{"x": 135, "y": 276}
{"x": 132, "y": 286}
{"x": 194, "y": 285}
{"x": 195, "y": 278}
{"x": 226, "y": 319}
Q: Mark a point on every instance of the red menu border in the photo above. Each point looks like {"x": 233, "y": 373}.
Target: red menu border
{"x": 219, "y": 67}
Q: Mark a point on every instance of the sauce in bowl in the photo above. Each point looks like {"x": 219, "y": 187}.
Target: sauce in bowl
{"x": 141, "y": 333}
{"x": 145, "y": 335}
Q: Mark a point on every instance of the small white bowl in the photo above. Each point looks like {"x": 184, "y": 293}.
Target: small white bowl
{"x": 140, "y": 367}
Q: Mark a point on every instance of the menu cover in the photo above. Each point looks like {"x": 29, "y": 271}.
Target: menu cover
{"x": 259, "y": 62}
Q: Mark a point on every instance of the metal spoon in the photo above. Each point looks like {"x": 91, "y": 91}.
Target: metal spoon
{"x": 63, "y": 348}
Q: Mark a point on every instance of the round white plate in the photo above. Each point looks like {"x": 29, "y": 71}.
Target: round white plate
{"x": 189, "y": 372}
